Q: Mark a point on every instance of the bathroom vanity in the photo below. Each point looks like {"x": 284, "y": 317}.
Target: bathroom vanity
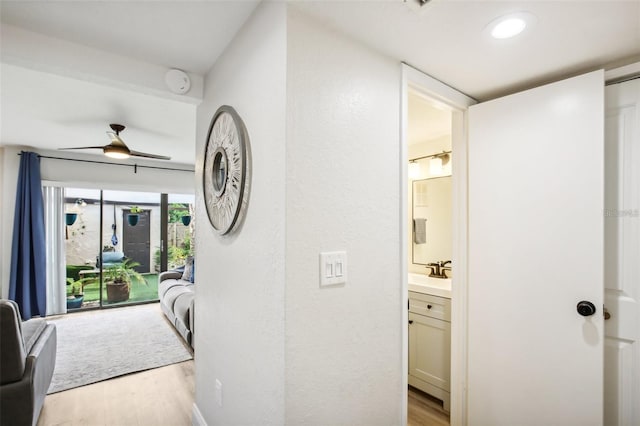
{"x": 430, "y": 336}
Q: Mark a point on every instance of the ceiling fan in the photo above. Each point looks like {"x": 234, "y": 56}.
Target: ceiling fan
{"x": 118, "y": 149}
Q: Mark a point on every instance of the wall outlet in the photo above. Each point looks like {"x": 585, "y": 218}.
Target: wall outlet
{"x": 333, "y": 268}
{"x": 219, "y": 392}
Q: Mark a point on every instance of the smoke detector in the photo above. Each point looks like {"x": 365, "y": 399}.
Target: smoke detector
{"x": 177, "y": 81}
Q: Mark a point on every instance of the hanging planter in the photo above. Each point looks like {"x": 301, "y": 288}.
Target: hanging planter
{"x": 70, "y": 218}
{"x": 133, "y": 217}
{"x": 186, "y": 220}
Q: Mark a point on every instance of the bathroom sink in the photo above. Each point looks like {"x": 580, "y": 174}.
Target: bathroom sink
{"x": 428, "y": 285}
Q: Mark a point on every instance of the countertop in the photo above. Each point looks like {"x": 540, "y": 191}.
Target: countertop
{"x": 428, "y": 285}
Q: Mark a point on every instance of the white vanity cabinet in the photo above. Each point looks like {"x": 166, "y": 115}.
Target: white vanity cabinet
{"x": 430, "y": 345}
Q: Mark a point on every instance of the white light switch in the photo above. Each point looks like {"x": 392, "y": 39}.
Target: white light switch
{"x": 333, "y": 268}
{"x": 328, "y": 270}
{"x": 338, "y": 266}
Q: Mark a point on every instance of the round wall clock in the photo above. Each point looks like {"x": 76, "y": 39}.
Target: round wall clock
{"x": 225, "y": 177}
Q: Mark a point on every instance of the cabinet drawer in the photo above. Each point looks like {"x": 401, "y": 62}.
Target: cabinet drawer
{"x": 431, "y": 306}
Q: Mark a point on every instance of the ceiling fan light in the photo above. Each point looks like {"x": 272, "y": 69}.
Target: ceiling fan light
{"x": 116, "y": 152}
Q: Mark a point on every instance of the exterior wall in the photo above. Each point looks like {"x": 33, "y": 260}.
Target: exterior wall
{"x": 240, "y": 298}
{"x": 343, "y": 343}
{"x": 83, "y": 237}
{"x": 83, "y": 243}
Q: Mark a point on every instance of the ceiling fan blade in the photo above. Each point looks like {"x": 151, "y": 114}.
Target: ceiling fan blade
{"x": 118, "y": 149}
{"x": 145, "y": 155}
{"x": 115, "y": 140}
{"x": 84, "y": 147}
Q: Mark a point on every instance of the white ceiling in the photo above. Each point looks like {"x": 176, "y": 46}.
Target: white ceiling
{"x": 189, "y": 35}
{"x": 49, "y": 111}
{"x": 45, "y": 109}
{"x": 445, "y": 38}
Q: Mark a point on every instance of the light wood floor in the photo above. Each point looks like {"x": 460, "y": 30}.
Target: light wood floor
{"x": 425, "y": 410}
{"x": 162, "y": 396}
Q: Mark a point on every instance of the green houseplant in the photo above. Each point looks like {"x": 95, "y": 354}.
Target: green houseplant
{"x": 75, "y": 292}
{"x": 118, "y": 280}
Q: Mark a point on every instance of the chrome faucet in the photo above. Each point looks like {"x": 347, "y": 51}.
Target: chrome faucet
{"x": 439, "y": 268}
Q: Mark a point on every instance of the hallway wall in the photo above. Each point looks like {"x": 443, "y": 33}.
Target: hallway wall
{"x": 343, "y": 343}
{"x": 240, "y": 299}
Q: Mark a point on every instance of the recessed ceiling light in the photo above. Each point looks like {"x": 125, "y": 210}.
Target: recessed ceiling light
{"x": 510, "y": 25}
{"x": 508, "y": 28}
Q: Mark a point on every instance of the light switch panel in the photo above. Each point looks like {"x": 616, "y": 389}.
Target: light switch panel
{"x": 333, "y": 268}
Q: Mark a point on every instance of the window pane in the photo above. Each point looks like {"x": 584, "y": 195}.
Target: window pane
{"x": 180, "y": 229}
{"x": 82, "y": 242}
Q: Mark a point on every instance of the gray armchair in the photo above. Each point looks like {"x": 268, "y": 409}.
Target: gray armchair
{"x": 27, "y": 358}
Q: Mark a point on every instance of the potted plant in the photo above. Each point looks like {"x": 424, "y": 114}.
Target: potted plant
{"x": 118, "y": 279}
{"x": 75, "y": 295}
{"x": 134, "y": 215}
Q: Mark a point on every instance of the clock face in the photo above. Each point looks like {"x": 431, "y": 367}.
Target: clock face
{"x": 225, "y": 174}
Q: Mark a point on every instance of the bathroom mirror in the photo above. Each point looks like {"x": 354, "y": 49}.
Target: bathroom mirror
{"x": 431, "y": 220}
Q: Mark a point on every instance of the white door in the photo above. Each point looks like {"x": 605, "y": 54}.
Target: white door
{"x": 622, "y": 254}
{"x": 536, "y": 171}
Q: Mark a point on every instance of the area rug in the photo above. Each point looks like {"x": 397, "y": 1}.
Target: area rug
{"x": 100, "y": 345}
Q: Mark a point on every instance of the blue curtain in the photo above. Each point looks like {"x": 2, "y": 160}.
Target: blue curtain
{"x": 28, "y": 285}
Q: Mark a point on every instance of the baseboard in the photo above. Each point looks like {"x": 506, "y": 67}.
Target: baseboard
{"x": 196, "y": 417}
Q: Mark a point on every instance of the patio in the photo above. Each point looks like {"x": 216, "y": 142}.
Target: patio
{"x": 91, "y": 289}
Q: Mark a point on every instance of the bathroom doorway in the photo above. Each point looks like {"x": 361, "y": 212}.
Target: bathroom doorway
{"x": 430, "y": 268}
{"x": 434, "y": 208}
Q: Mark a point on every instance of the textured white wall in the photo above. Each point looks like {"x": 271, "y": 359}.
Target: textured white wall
{"x": 240, "y": 298}
{"x": 343, "y": 344}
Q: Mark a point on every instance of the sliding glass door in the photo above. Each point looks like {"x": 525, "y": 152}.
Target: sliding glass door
{"x": 117, "y": 242}
{"x": 110, "y": 241}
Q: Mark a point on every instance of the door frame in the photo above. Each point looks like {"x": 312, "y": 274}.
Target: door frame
{"x": 622, "y": 73}
{"x": 614, "y": 76}
{"x": 457, "y": 102}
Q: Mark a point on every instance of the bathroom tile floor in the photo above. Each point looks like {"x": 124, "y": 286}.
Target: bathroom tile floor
{"x": 425, "y": 410}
